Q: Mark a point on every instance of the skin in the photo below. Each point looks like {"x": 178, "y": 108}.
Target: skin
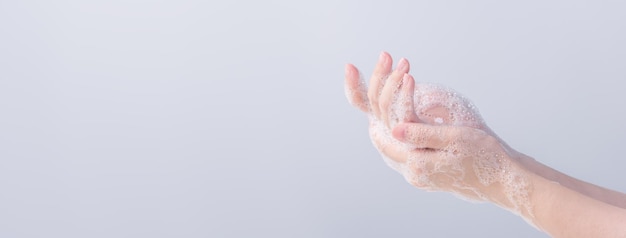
{"x": 554, "y": 202}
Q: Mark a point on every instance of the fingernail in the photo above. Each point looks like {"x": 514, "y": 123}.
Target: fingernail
{"x": 402, "y": 65}
{"x": 382, "y": 58}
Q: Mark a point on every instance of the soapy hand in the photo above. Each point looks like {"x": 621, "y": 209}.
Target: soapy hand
{"x": 436, "y": 138}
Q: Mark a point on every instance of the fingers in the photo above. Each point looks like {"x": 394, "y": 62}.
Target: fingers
{"x": 390, "y": 90}
{"x": 398, "y": 106}
{"x": 355, "y": 89}
{"x": 406, "y": 107}
{"x": 426, "y": 136}
{"x": 382, "y": 70}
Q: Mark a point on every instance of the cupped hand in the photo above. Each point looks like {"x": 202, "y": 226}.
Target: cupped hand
{"x": 436, "y": 138}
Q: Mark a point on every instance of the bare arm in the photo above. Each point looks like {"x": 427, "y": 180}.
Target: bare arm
{"x": 596, "y": 192}
{"x": 563, "y": 212}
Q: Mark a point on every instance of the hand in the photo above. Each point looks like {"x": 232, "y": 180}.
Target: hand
{"x": 439, "y": 141}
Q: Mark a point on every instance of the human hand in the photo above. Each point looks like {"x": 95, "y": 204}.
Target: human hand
{"x": 435, "y": 138}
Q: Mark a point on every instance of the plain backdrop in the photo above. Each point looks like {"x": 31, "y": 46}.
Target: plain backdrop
{"x": 194, "y": 118}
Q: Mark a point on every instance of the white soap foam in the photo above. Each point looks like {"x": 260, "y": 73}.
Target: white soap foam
{"x": 446, "y": 171}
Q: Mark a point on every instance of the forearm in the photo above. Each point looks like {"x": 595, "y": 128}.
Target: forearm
{"x": 563, "y": 212}
{"x": 596, "y": 192}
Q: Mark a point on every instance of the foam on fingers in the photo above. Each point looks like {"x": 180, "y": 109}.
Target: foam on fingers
{"x": 463, "y": 166}
{"x": 440, "y": 105}
{"x": 377, "y": 81}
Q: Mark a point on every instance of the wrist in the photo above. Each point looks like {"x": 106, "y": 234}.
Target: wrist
{"x": 513, "y": 188}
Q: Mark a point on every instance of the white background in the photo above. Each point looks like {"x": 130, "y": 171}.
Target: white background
{"x": 228, "y": 118}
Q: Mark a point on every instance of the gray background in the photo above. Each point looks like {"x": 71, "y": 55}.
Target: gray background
{"x": 228, "y": 119}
